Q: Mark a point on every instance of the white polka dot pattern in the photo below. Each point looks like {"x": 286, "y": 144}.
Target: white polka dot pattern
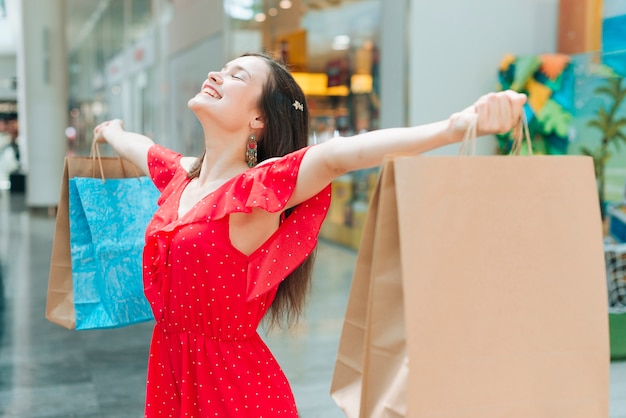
{"x": 206, "y": 357}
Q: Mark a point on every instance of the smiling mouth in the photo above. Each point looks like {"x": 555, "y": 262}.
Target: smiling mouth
{"x": 211, "y": 92}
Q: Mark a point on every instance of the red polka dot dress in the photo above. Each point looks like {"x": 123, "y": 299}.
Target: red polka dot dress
{"x": 208, "y": 298}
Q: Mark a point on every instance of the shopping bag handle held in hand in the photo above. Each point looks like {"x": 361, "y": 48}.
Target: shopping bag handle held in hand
{"x": 520, "y": 132}
{"x": 95, "y": 154}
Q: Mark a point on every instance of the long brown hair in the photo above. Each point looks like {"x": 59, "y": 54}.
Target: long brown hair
{"x": 285, "y": 130}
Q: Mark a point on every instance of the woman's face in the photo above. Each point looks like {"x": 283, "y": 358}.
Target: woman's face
{"x": 231, "y": 96}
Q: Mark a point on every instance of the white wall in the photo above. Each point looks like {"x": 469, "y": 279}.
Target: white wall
{"x": 456, "y": 47}
{"x": 8, "y": 71}
{"x": 8, "y": 29}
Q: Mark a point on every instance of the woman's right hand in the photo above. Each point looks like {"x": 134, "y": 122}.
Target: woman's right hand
{"x": 101, "y": 130}
{"x": 129, "y": 145}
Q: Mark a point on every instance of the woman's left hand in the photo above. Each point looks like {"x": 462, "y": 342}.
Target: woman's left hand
{"x": 494, "y": 113}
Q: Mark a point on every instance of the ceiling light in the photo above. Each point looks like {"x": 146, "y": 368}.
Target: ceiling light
{"x": 260, "y": 17}
{"x": 239, "y": 11}
{"x": 285, "y": 4}
{"x": 341, "y": 42}
{"x": 97, "y": 108}
{"x": 273, "y": 11}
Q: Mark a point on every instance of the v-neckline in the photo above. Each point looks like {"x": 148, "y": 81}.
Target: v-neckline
{"x": 199, "y": 201}
{"x": 187, "y": 181}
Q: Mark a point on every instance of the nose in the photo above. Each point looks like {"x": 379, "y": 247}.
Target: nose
{"x": 215, "y": 76}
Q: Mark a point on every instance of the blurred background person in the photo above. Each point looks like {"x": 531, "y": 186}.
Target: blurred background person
{"x": 10, "y": 155}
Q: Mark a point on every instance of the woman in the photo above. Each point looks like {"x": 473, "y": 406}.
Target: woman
{"x": 236, "y": 229}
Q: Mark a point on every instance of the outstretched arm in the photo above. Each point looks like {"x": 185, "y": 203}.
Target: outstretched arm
{"x": 494, "y": 113}
{"x": 130, "y": 146}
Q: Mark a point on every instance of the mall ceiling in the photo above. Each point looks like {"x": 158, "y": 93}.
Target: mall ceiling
{"x": 81, "y": 14}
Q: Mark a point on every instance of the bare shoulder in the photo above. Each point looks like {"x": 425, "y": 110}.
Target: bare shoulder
{"x": 316, "y": 172}
{"x": 188, "y": 162}
{"x": 268, "y": 161}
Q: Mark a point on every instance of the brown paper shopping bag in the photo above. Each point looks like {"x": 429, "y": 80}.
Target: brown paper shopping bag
{"x": 60, "y": 300}
{"x": 479, "y": 292}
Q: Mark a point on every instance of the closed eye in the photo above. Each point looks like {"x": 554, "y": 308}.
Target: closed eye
{"x": 241, "y": 75}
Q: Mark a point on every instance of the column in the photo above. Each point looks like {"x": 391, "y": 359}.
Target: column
{"x": 42, "y": 98}
{"x": 394, "y": 81}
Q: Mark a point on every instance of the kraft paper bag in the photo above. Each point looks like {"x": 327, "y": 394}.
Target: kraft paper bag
{"x": 479, "y": 292}
{"x": 60, "y": 304}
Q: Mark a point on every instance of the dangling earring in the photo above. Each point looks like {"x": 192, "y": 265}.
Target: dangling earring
{"x": 251, "y": 151}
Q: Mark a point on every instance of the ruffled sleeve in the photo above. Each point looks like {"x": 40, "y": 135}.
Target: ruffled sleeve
{"x": 268, "y": 186}
{"x": 162, "y": 164}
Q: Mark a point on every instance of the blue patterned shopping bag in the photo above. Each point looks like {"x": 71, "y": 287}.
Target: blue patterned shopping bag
{"x": 108, "y": 219}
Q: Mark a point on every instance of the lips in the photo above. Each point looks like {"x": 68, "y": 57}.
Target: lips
{"x": 209, "y": 90}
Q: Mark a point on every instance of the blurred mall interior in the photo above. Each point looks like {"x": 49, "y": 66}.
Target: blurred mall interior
{"x": 67, "y": 65}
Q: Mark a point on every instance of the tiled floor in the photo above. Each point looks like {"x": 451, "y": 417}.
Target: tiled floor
{"x": 48, "y": 371}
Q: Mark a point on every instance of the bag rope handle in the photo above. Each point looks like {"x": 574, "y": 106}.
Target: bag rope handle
{"x": 520, "y": 132}
{"x": 469, "y": 139}
{"x": 95, "y": 154}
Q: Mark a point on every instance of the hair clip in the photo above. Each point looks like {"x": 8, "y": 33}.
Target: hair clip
{"x": 298, "y": 106}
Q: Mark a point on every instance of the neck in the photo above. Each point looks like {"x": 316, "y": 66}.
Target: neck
{"x": 224, "y": 157}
